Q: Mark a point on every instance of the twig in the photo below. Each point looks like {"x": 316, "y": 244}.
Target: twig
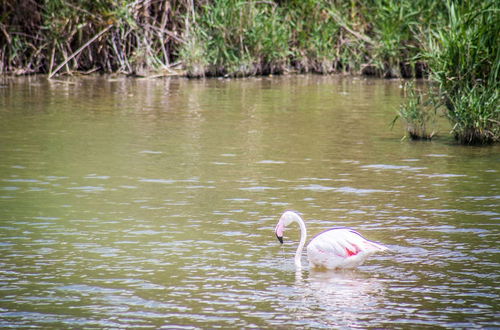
{"x": 52, "y": 57}
{"x": 118, "y": 55}
{"x": 65, "y": 58}
{"x": 358, "y": 35}
{"x": 80, "y": 9}
{"x": 7, "y": 36}
{"x": 79, "y": 50}
{"x": 89, "y": 71}
{"x": 168, "y": 33}
{"x": 256, "y": 2}
{"x": 63, "y": 82}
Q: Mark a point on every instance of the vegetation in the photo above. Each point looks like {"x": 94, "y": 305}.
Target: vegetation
{"x": 464, "y": 62}
{"x": 224, "y": 37}
{"x": 235, "y": 38}
{"x": 464, "y": 58}
{"x": 418, "y": 114}
{"x": 453, "y": 42}
{"x": 86, "y": 35}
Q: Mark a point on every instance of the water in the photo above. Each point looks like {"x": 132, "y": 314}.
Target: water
{"x": 152, "y": 203}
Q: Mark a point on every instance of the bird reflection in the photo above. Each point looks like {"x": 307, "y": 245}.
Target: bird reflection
{"x": 342, "y": 298}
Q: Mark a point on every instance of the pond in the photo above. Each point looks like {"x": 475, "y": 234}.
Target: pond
{"x": 152, "y": 203}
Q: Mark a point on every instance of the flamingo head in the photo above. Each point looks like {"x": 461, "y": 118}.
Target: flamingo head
{"x": 280, "y": 229}
{"x": 286, "y": 218}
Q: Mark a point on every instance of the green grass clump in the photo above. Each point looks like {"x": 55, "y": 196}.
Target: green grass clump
{"x": 235, "y": 38}
{"x": 315, "y": 36}
{"x": 464, "y": 59}
{"x": 417, "y": 113}
{"x": 475, "y": 115}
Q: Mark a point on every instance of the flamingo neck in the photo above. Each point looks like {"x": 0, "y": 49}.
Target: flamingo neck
{"x": 303, "y": 235}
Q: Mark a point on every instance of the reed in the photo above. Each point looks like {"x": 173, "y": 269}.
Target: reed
{"x": 235, "y": 38}
{"x": 315, "y": 36}
{"x": 225, "y": 37}
{"x": 464, "y": 59}
{"x": 140, "y": 35}
{"x": 418, "y": 113}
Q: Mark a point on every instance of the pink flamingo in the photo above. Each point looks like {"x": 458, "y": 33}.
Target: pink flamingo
{"x": 333, "y": 248}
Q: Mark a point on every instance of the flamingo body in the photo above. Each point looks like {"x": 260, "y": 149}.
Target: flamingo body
{"x": 333, "y": 248}
{"x": 340, "y": 248}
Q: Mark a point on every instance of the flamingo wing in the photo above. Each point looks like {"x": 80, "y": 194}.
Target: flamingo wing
{"x": 340, "y": 248}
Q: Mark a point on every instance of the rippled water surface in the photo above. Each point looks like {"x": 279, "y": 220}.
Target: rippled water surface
{"x": 134, "y": 202}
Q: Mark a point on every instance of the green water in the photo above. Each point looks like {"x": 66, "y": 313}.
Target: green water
{"x": 152, "y": 203}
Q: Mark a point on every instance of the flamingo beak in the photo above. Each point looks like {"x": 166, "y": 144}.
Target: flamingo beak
{"x": 280, "y": 238}
{"x": 279, "y": 230}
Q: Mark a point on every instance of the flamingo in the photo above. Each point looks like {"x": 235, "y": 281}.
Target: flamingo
{"x": 333, "y": 248}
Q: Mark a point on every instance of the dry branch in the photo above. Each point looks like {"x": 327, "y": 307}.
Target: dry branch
{"x": 79, "y": 50}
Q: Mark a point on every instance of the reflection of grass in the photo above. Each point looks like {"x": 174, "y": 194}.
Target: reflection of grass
{"x": 418, "y": 115}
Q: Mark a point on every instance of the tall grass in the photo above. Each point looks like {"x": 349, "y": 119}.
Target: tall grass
{"x": 235, "y": 38}
{"x": 464, "y": 58}
{"x": 140, "y": 35}
{"x": 418, "y": 113}
{"x": 315, "y": 36}
{"x": 223, "y": 37}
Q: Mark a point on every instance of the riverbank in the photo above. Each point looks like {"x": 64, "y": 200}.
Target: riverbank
{"x": 219, "y": 38}
{"x": 454, "y": 43}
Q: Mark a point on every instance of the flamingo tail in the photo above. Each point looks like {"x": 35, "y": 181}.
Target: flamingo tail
{"x": 377, "y": 246}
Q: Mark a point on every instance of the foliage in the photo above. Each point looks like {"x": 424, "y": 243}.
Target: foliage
{"x": 314, "y": 39}
{"x": 464, "y": 58}
{"x": 224, "y": 37}
{"x": 234, "y": 37}
{"x": 417, "y": 113}
{"x": 143, "y": 35}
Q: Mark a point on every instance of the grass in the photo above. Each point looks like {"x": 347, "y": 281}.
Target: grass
{"x": 236, "y": 38}
{"x": 464, "y": 59}
{"x": 314, "y": 40}
{"x": 418, "y": 114}
{"x": 224, "y": 37}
